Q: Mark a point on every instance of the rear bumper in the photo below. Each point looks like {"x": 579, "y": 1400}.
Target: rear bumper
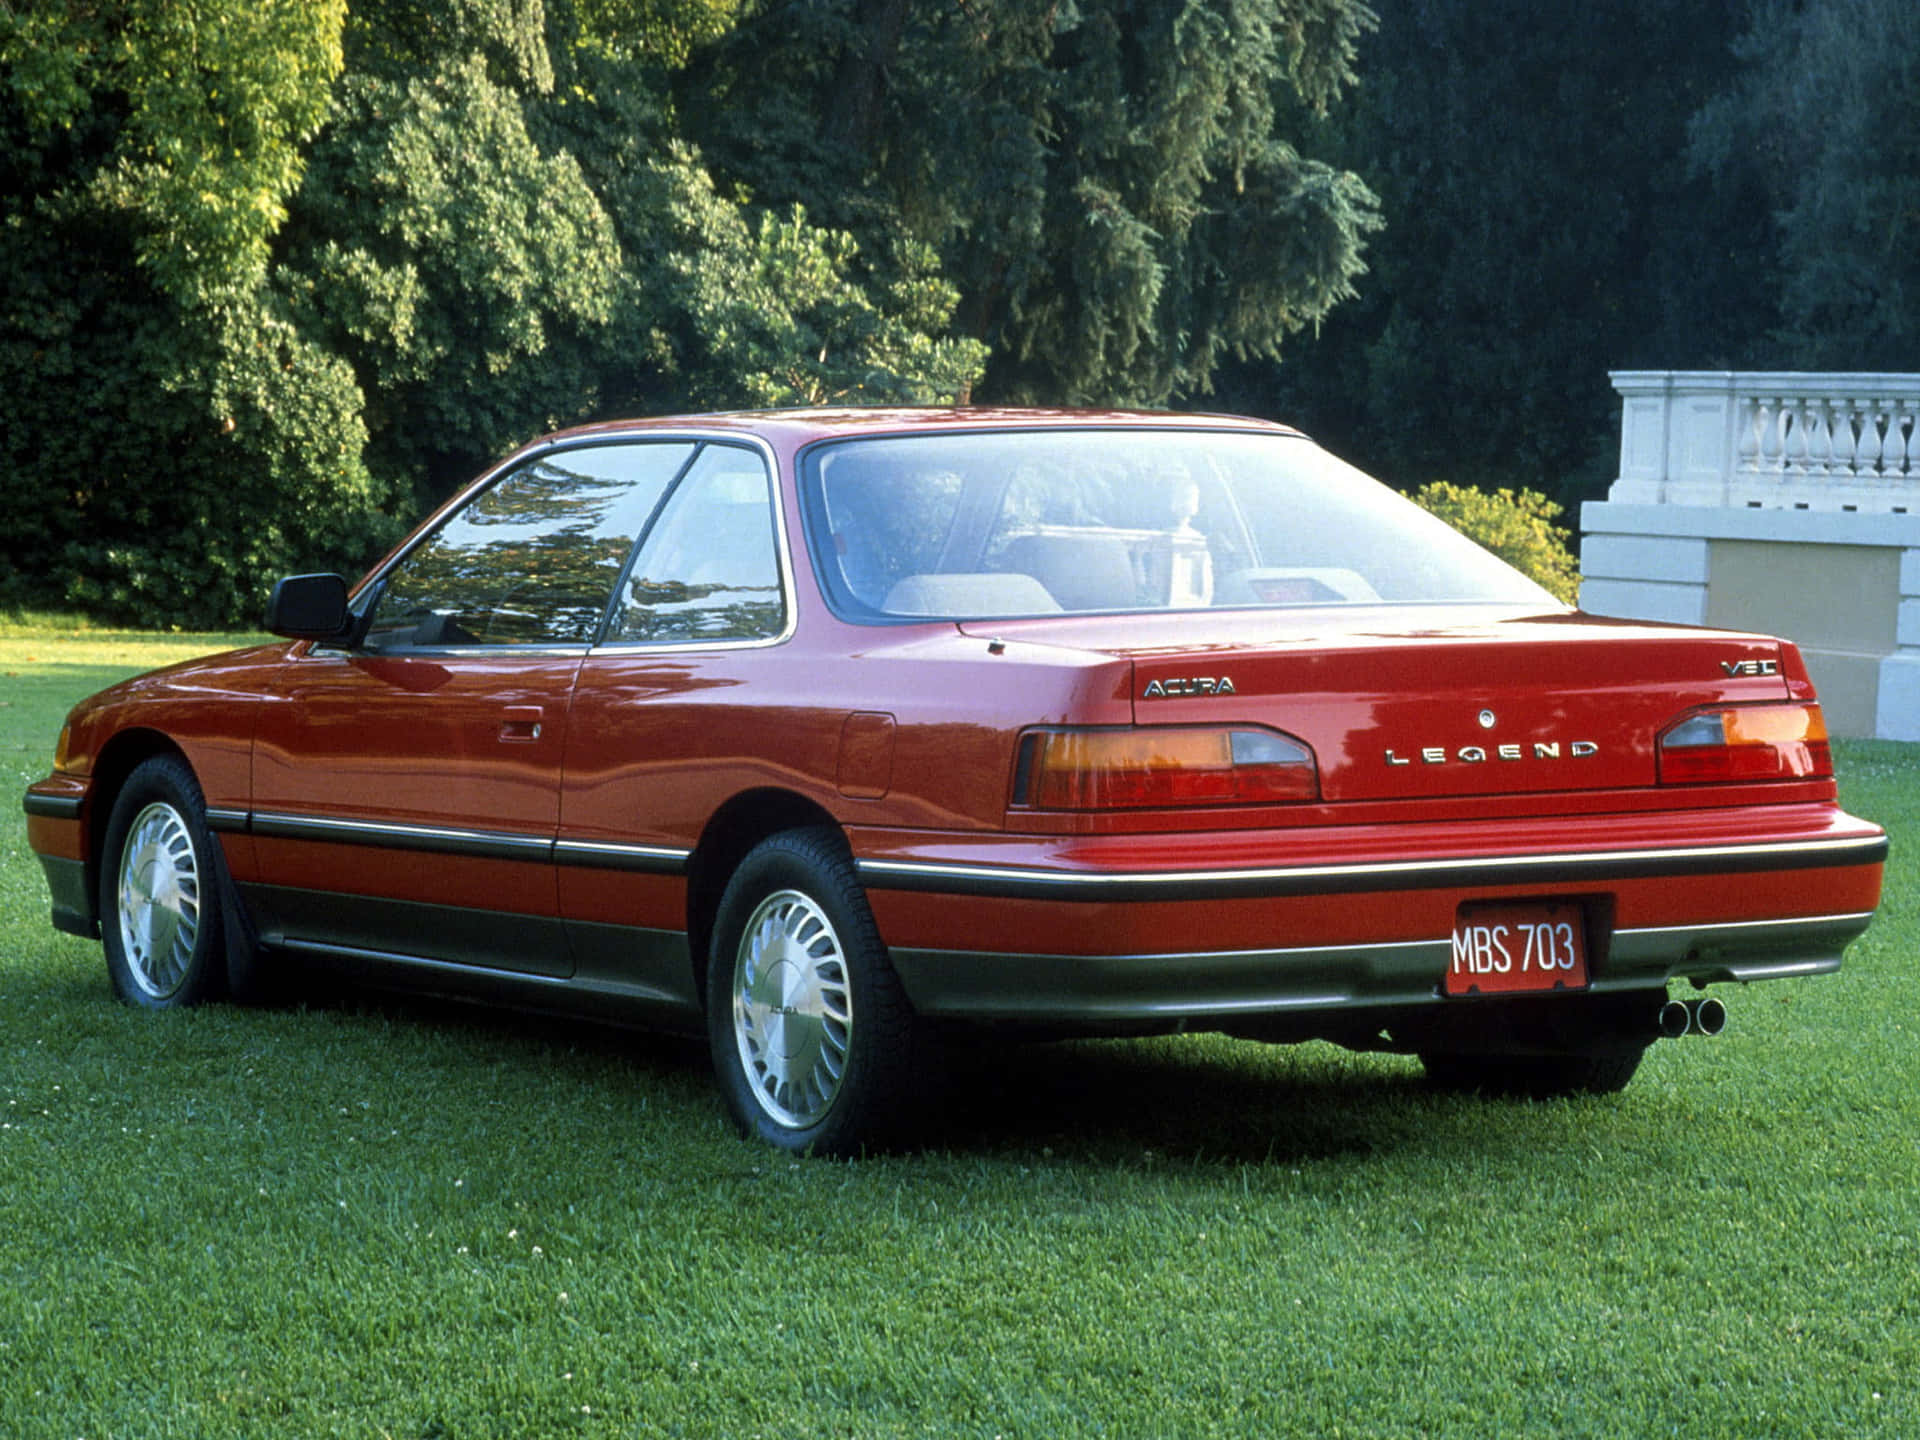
{"x": 1102, "y": 930}
{"x": 1095, "y": 990}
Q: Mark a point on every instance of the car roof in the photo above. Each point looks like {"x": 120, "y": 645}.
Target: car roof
{"x": 803, "y": 426}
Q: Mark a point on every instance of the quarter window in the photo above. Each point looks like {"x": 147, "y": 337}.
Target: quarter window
{"x": 709, "y": 568}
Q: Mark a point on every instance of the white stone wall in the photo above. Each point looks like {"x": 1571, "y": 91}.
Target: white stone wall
{"x": 1648, "y": 577}
{"x": 1722, "y": 462}
{"x": 1899, "y": 715}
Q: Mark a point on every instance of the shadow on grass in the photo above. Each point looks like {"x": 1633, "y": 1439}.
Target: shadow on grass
{"x": 1199, "y": 1101}
{"x": 1192, "y": 1098}
{"x": 1196, "y": 1100}
{"x": 530, "y": 1038}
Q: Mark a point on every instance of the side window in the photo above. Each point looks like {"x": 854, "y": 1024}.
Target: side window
{"x": 709, "y": 569}
{"x": 534, "y": 558}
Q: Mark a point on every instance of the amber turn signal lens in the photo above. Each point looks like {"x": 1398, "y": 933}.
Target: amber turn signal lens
{"x": 1746, "y": 742}
{"x": 1143, "y": 768}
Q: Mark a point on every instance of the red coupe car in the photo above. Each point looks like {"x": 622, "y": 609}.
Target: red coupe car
{"x": 841, "y": 733}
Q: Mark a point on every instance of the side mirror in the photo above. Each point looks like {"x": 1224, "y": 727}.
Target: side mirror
{"x": 310, "y": 607}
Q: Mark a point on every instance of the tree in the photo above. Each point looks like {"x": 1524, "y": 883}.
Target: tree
{"x": 468, "y": 275}
{"x": 734, "y": 302}
{"x": 1818, "y": 136}
{"x": 501, "y": 233}
{"x": 170, "y": 436}
{"x": 1111, "y": 189}
{"x": 1542, "y": 228}
{"x": 190, "y": 119}
{"x": 771, "y": 310}
{"x": 278, "y": 276}
{"x": 661, "y": 32}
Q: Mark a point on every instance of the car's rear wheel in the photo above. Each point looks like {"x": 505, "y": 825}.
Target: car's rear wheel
{"x": 811, "y": 1033}
{"x": 1600, "y": 1072}
{"x": 160, "y": 891}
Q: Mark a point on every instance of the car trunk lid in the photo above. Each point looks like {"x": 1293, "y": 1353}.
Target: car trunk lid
{"x": 1457, "y": 701}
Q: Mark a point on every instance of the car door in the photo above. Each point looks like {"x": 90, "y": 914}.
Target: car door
{"x": 407, "y": 790}
{"x": 676, "y": 711}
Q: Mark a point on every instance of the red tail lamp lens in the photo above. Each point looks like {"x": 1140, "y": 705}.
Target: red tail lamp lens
{"x": 1138, "y": 769}
{"x": 1746, "y": 742}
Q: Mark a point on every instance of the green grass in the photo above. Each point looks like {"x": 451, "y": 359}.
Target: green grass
{"x": 374, "y": 1217}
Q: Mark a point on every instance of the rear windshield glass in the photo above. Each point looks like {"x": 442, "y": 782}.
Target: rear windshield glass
{"x": 1040, "y": 522}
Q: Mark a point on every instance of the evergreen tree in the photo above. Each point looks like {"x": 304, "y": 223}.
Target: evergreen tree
{"x": 1111, "y": 187}
{"x": 1818, "y": 138}
{"x": 1541, "y": 230}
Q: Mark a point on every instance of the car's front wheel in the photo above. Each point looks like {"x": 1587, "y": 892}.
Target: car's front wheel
{"x": 160, "y": 898}
{"x": 812, "y": 1036}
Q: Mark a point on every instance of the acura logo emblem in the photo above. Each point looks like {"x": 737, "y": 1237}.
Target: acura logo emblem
{"x": 1196, "y": 685}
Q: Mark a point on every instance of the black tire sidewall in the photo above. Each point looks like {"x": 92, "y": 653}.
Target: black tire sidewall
{"x": 816, "y": 864}
{"x": 165, "y": 780}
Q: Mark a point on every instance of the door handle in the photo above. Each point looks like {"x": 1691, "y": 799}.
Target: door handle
{"x": 520, "y": 723}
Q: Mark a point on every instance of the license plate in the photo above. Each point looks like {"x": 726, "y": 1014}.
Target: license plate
{"x": 1517, "y": 948}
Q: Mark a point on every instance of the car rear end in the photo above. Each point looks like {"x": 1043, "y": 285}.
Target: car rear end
{"x": 1327, "y": 787}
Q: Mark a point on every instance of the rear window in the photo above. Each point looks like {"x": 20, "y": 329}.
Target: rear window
{"x": 1041, "y": 522}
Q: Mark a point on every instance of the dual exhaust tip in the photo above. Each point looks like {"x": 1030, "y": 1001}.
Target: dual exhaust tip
{"x": 1706, "y": 1016}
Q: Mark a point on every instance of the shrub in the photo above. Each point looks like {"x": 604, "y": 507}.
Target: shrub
{"x": 1516, "y": 525}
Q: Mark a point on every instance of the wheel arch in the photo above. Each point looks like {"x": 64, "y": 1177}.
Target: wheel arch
{"x": 124, "y": 753}
{"x": 736, "y": 827}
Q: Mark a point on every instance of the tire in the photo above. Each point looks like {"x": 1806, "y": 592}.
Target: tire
{"x": 812, "y": 1036}
{"x": 162, "y": 906}
{"x": 1539, "y": 1077}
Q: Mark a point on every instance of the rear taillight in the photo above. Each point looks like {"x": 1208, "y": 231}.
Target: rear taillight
{"x": 1134, "y": 769}
{"x": 1746, "y": 742}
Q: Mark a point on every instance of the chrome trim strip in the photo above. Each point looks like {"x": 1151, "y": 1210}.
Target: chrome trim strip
{"x": 607, "y": 855}
{"x": 51, "y": 807}
{"x": 229, "y": 822}
{"x": 1858, "y": 918}
{"x": 1477, "y": 871}
{"x": 419, "y": 962}
{"x": 486, "y": 844}
{"x": 623, "y": 648}
{"x": 324, "y": 650}
{"x": 1784, "y": 970}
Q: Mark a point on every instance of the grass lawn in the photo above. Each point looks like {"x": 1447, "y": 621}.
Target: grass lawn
{"x": 375, "y": 1217}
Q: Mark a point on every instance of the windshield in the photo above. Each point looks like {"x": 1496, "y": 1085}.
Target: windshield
{"x": 1040, "y": 522}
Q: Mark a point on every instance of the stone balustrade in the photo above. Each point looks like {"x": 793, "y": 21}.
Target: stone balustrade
{"x": 1769, "y": 440}
{"x": 1787, "y": 503}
